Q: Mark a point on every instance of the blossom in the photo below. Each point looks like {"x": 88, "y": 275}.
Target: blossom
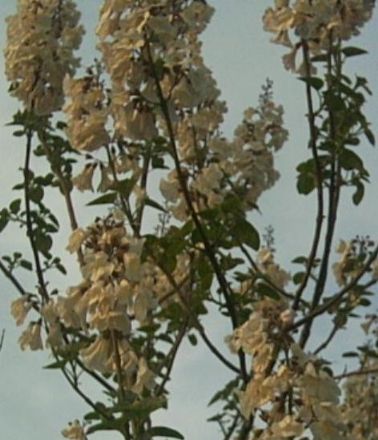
{"x": 20, "y": 308}
{"x": 145, "y": 377}
{"x": 317, "y": 24}
{"x": 41, "y": 38}
{"x": 97, "y": 266}
{"x": 76, "y": 239}
{"x": 97, "y": 356}
{"x": 287, "y": 427}
{"x": 31, "y": 337}
{"x": 74, "y": 431}
{"x": 87, "y": 113}
{"x": 83, "y": 180}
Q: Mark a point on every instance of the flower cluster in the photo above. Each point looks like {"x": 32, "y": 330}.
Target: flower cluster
{"x": 353, "y": 255}
{"x": 359, "y": 409}
{"x": 299, "y": 382}
{"x": 87, "y": 112}
{"x": 267, "y": 265}
{"x": 117, "y": 288}
{"x": 243, "y": 166}
{"x": 41, "y": 38}
{"x": 317, "y": 24}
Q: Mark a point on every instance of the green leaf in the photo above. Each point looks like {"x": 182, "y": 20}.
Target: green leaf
{"x": 36, "y": 194}
{"x": 370, "y": 136}
{"x": 26, "y": 264}
{"x": 246, "y": 233}
{"x": 103, "y": 200}
{"x": 364, "y": 302}
{"x": 305, "y": 183}
{"x": 319, "y": 58}
{"x": 43, "y": 243}
{"x": 153, "y": 204}
{"x": 61, "y": 268}
{"x": 313, "y": 81}
{"x": 4, "y": 219}
{"x": 192, "y": 339}
{"x": 350, "y": 354}
{"x": 300, "y": 260}
{"x": 352, "y": 51}
{"x": 266, "y": 290}
{"x": 349, "y": 160}
{"x": 15, "y": 206}
{"x": 56, "y": 365}
{"x": 334, "y": 102}
{"x": 298, "y": 277}
{"x": 163, "y": 431}
{"x": 359, "y": 193}
{"x": 106, "y": 425}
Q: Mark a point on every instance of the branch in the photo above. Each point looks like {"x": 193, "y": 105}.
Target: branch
{"x": 333, "y": 202}
{"x": 125, "y": 206}
{"x": 12, "y": 279}
{"x": 197, "y": 324}
{"x": 2, "y": 339}
{"x": 338, "y": 296}
{"x": 356, "y": 373}
{"x": 65, "y": 191}
{"x": 223, "y": 284}
{"x": 319, "y": 187}
{"x": 331, "y": 335}
{"x": 171, "y": 356}
{"x": 29, "y": 223}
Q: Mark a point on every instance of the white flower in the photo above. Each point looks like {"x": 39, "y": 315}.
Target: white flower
{"x": 98, "y": 355}
{"x": 41, "y": 39}
{"x": 74, "y": 431}
{"x": 76, "y": 239}
{"x": 20, "y": 308}
{"x": 145, "y": 377}
{"x": 133, "y": 267}
{"x": 287, "y": 427}
{"x": 83, "y": 181}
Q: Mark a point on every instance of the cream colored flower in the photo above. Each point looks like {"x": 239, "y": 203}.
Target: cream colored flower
{"x": 145, "y": 377}
{"x": 20, "y": 308}
{"x": 41, "y": 38}
{"x": 287, "y": 427}
{"x": 83, "y": 180}
{"x": 76, "y": 239}
{"x": 98, "y": 355}
{"x": 74, "y": 431}
{"x": 31, "y": 337}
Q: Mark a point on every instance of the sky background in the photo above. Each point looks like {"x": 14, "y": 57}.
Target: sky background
{"x": 36, "y": 404}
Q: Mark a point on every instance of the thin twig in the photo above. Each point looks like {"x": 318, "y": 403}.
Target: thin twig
{"x": 338, "y": 296}
{"x": 29, "y": 222}
{"x": 171, "y": 356}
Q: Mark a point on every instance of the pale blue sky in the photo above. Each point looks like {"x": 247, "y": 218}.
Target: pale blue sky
{"x": 36, "y": 404}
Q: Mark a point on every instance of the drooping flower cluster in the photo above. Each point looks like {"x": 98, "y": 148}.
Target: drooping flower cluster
{"x": 116, "y": 289}
{"x": 242, "y": 167}
{"x": 87, "y": 113}
{"x": 297, "y": 394}
{"x": 41, "y": 38}
{"x": 317, "y": 23}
